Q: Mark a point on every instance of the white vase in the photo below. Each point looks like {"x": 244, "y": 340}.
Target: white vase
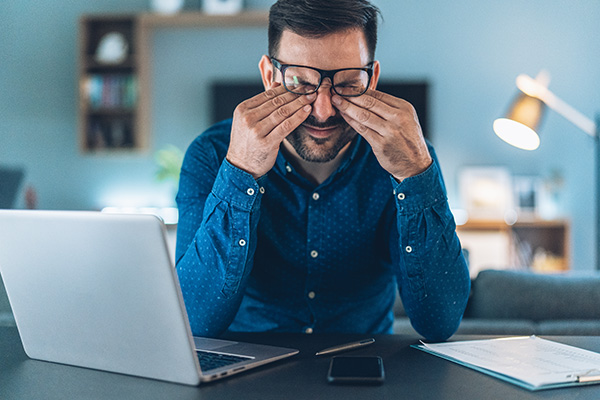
{"x": 166, "y": 6}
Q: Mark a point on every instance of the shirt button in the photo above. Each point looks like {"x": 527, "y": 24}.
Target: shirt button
{"x": 250, "y": 192}
{"x": 311, "y": 295}
{"x": 288, "y": 168}
{"x": 408, "y": 249}
{"x": 314, "y": 254}
{"x": 261, "y": 190}
{"x": 315, "y": 196}
{"x": 242, "y": 242}
{"x": 401, "y": 196}
{"x": 308, "y": 330}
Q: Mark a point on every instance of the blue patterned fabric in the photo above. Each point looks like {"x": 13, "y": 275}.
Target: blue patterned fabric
{"x": 279, "y": 254}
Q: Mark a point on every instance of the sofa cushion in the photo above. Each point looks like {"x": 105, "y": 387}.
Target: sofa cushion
{"x": 402, "y": 326}
{"x": 507, "y": 294}
{"x": 477, "y": 326}
{"x": 569, "y": 328}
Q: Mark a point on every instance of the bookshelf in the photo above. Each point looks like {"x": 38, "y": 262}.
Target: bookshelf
{"x": 538, "y": 245}
{"x": 108, "y": 93}
{"x": 115, "y": 98}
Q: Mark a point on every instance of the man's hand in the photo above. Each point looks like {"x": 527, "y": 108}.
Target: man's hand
{"x": 259, "y": 126}
{"x": 391, "y": 127}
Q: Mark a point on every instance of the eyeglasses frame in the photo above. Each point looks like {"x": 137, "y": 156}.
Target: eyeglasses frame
{"x": 324, "y": 73}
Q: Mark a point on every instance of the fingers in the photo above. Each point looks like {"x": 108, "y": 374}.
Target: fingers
{"x": 283, "y": 129}
{"x": 259, "y": 126}
{"x": 267, "y": 110}
{"x": 292, "y": 113}
{"x": 265, "y": 96}
{"x": 374, "y": 108}
{"x": 364, "y": 118}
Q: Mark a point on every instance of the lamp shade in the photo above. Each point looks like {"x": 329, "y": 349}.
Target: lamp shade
{"x": 519, "y": 127}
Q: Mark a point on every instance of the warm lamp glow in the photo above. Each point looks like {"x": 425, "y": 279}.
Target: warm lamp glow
{"x": 519, "y": 127}
{"x": 516, "y": 134}
{"x": 525, "y": 113}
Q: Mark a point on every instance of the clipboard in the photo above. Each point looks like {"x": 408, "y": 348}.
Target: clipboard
{"x": 527, "y": 361}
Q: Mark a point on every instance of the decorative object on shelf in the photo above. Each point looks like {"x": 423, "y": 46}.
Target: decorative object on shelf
{"x": 222, "y": 6}
{"x": 498, "y": 245}
{"x": 166, "y": 6}
{"x": 550, "y": 201}
{"x": 519, "y": 128}
{"x": 112, "y": 49}
{"x": 104, "y": 91}
{"x": 486, "y": 192}
{"x": 527, "y": 195}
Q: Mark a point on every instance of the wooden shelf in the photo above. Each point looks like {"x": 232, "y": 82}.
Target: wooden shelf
{"x": 103, "y": 128}
{"x": 108, "y": 96}
{"x": 90, "y": 64}
{"x": 540, "y": 245}
{"x": 201, "y": 20}
{"x": 111, "y": 112}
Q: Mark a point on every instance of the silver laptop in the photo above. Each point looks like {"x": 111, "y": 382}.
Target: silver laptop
{"x": 100, "y": 291}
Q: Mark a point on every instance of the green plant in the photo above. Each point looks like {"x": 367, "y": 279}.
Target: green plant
{"x": 169, "y": 160}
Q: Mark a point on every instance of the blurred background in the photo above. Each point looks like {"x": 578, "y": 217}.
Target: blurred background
{"x": 468, "y": 52}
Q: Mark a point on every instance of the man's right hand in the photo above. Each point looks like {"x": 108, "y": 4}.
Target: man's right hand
{"x": 261, "y": 123}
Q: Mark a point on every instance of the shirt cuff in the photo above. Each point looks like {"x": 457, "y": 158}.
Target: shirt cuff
{"x": 419, "y": 192}
{"x": 237, "y": 187}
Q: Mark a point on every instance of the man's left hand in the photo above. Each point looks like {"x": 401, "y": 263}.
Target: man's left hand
{"x": 391, "y": 127}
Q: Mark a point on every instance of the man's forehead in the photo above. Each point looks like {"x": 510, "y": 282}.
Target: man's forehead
{"x": 328, "y": 51}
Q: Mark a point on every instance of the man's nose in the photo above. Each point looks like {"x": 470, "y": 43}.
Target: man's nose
{"x": 322, "y": 107}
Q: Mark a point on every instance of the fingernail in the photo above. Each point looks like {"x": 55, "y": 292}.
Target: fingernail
{"x": 311, "y": 96}
{"x": 336, "y": 99}
{"x": 307, "y": 108}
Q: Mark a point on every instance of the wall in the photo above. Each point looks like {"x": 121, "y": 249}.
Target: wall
{"x": 469, "y": 50}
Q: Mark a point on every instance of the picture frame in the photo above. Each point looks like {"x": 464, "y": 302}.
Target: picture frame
{"x": 222, "y": 7}
{"x": 527, "y": 191}
{"x": 486, "y": 192}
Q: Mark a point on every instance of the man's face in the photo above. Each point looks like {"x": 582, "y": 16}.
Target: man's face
{"x": 324, "y": 133}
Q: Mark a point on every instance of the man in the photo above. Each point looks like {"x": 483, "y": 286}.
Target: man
{"x": 321, "y": 198}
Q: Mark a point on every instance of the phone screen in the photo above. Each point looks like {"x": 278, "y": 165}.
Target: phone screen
{"x": 356, "y": 369}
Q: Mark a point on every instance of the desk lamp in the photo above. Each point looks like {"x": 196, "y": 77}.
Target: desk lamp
{"x": 519, "y": 127}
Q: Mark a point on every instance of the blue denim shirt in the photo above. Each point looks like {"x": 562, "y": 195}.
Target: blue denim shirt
{"x": 281, "y": 254}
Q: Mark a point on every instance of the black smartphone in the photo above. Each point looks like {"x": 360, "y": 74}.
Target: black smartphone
{"x": 354, "y": 369}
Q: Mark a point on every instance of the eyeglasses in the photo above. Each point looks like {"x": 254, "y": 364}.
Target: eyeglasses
{"x": 347, "y": 82}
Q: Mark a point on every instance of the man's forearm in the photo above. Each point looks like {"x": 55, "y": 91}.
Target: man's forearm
{"x": 433, "y": 275}
{"x": 215, "y": 255}
{"x": 442, "y": 281}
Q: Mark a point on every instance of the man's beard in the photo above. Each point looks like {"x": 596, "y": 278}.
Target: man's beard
{"x": 321, "y": 150}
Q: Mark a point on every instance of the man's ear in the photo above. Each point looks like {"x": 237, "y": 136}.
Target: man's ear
{"x": 375, "y": 77}
{"x": 266, "y": 71}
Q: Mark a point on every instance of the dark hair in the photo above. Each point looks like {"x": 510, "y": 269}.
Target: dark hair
{"x": 317, "y": 18}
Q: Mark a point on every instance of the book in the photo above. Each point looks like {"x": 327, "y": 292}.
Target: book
{"x": 530, "y": 362}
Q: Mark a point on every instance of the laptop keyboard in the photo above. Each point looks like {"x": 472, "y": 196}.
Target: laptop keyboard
{"x": 209, "y": 360}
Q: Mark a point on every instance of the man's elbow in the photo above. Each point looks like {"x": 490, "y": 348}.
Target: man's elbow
{"x": 440, "y": 331}
{"x": 439, "y": 325}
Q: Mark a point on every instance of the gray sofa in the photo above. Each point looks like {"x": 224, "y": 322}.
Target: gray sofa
{"x": 509, "y": 302}
{"x": 504, "y": 303}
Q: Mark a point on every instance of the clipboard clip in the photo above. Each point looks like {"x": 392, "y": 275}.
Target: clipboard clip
{"x": 593, "y": 375}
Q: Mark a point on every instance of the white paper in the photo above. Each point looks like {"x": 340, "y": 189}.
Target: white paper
{"x": 533, "y": 360}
